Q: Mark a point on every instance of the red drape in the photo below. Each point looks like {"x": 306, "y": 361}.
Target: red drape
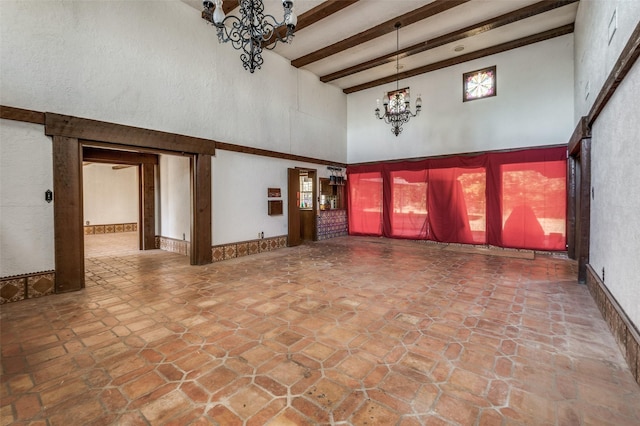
{"x": 365, "y": 198}
{"x": 510, "y": 199}
{"x": 408, "y": 204}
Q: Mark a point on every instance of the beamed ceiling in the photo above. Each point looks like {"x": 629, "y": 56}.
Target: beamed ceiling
{"x": 352, "y": 43}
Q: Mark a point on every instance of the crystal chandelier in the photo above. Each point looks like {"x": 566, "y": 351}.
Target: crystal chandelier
{"x": 253, "y": 30}
{"x": 397, "y": 108}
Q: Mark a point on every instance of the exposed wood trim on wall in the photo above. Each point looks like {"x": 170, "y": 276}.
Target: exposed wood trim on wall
{"x": 147, "y": 206}
{"x": 67, "y": 214}
{"x": 387, "y": 27}
{"x": 120, "y": 136}
{"x": 82, "y": 128}
{"x": 472, "y": 30}
{"x": 467, "y": 154}
{"x": 625, "y": 61}
{"x": 19, "y": 114}
{"x": 201, "y": 223}
{"x": 515, "y": 44}
{"x": 572, "y": 195}
{"x": 622, "y": 328}
{"x": 97, "y": 155}
{"x": 582, "y": 131}
{"x": 585, "y": 209}
{"x": 273, "y": 154}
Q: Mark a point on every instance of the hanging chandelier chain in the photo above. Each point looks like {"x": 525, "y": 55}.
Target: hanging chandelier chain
{"x": 397, "y": 108}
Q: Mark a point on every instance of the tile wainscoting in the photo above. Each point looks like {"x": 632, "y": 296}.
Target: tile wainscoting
{"x": 224, "y": 251}
{"x": 245, "y": 248}
{"x": 623, "y": 330}
{"x": 110, "y": 228}
{"x": 332, "y": 223}
{"x": 173, "y": 245}
{"x": 27, "y": 286}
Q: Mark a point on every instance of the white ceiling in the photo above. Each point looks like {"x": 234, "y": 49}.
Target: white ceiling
{"x": 514, "y": 23}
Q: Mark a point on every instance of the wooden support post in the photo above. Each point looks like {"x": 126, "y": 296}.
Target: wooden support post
{"x": 201, "y": 198}
{"x": 585, "y": 209}
{"x": 147, "y": 230}
{"x": 68, "y": 214}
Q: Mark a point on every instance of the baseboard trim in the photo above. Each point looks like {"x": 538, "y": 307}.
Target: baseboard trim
{"x": 625, "y": 333}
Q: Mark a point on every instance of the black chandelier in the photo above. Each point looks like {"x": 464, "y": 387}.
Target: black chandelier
{"x": 253, "y": 30}
{"x": 397, "y": 108}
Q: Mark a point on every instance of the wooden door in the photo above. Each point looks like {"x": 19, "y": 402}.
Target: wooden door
{"x": 293, "y": 207}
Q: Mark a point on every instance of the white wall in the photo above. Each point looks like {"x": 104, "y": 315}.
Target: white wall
{"x": 109, "y": 196}
{"x": 533, "y": 107}
{"x": 158, "y": 65}
{"x": 26, "y": 219}
{"x": 615, "y": 207}
{"x": 594, "y": 54}
{"x": 174, "y": 212}
{"x": 615, "y": 229}
{"x": 239, "y": 187}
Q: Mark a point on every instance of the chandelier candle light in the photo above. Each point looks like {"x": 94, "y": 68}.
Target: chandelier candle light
{"x": 397, "y": 108}
{"x": 253, "y": 30}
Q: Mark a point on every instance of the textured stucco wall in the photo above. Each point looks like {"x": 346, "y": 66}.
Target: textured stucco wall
{"x": 174, "y": 212}
{"x": 594, "y": 53}
{"x": 615, "y": 229}
{"x": 533, "y": 107}
{"x": 26, "y": 219}
{"x": 109, "y": 196}
{"x": 158, "y": 65}
{"x": 240, "y": 202}
{"x": 615, "y": 207}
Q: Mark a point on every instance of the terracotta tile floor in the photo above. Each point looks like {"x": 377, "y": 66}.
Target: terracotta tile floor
{"x": 358, "y": 331}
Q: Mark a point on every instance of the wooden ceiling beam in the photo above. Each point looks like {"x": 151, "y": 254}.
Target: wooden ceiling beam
{"x": 424, "y": 12}
{"x": 514, "y": 44}
{"x": 314, "y": 15}
{"x": 472, "y": 30}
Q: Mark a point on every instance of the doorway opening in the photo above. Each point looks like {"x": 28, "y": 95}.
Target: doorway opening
{"x": 110, "y": 209}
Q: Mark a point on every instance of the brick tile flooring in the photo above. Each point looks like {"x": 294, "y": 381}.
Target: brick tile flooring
{"x": 360, "y": 331}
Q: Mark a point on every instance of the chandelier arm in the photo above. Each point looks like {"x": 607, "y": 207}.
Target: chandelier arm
{"x": 252, "y": 30}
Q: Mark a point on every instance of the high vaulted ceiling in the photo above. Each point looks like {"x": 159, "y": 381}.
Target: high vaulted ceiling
{"x": 352, "y": 43}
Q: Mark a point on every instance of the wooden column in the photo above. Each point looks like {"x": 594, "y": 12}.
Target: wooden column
{"x": 293, "y": 207}
{"x": 201, "y": 199}
{"x": 571, "y": 207}
{"x": 585, "y": 209}
{"x": 67, "y": 214}
{"x": 147, "y": 207}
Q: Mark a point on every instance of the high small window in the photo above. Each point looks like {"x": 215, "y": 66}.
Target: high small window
{"x": 479, "y": 84}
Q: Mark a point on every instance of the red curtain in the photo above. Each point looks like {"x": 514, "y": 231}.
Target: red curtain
{"x": 456, "y": 205}
{"x": 365, "y": 201}
{"x": 511, "y": 199}
{"x": 534, "y": 205}
{"x": 408, "y": 204}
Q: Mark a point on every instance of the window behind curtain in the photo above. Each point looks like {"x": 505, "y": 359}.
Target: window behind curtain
{"x": 534, "y": 205}
{"x": 457, "y": 205}
{"x": 507, "y": 199}
{"x": 409, "y": 204}
{"x": 365, "y": 203}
